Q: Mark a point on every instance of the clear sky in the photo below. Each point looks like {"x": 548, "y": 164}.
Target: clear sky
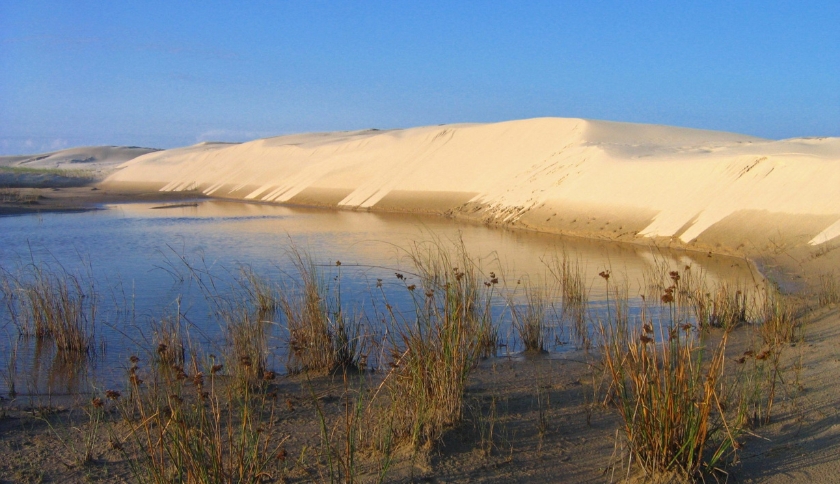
{"x": 172, "y": 73}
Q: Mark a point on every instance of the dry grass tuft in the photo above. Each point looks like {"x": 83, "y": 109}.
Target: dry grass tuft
{"x": 668, "y": 395}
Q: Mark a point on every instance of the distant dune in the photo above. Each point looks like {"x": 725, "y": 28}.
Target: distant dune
{"x": 621, "y": 181}
{"x": 64, "y": 168}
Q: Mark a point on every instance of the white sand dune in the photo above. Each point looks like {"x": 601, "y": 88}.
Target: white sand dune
{"x": 604, "y": 179}
{"x": 93, "y": 159}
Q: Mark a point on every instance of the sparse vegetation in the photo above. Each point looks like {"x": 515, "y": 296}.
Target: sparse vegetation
{"x": 188, "y": 416}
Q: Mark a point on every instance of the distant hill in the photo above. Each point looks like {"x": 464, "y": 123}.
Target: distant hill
{"x": 64, "y": 168}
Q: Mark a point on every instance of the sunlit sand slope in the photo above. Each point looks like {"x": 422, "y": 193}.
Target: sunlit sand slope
{"x": 595, "y": 178}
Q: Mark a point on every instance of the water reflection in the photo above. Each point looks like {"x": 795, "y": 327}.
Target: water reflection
{"x": 145, "y": 261}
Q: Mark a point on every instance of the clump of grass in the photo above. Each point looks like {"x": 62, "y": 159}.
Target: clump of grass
{"x": 22, "y": 170}
{"x": 322, "y": 337}
{"x": 779, "y": 323}
{"x": 433, "y": 354}
{"x": 247, "y": 347}
{"x": 168, "y": 337}
{"x": 722, "y": 308}
{"x": 529, "y": 319}
{"x": 574, "y": 294}
{"x": 15, "y": 195}
{"x": 828, "y": 291}
{"x": 195, "y": 428}
{"x": 262, "y": 294}
{"x": 11, "y": 370}
{"x": 668, "y": 396}
{"x": 56, "y": 306}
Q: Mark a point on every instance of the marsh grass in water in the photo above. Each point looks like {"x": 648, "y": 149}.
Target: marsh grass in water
{"x": 323, "y": 337}
{"x": 55, "y": 306}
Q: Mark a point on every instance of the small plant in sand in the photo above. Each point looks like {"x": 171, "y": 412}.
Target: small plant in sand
{"x": 668, "y": 394}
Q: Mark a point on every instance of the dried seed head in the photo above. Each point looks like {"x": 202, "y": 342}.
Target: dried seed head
{"x": 133, "y": 359}
{"x": 605, "y": 275}
{"x": 216, "y": 368}
{"x": 269, "y": 375}
{"x": 338, "y": 262}
{"x": 645, "y": 339}
{"x": 112, "y": 394}
{"x": 97, "y": 402}
{"x": 412, "y": 287}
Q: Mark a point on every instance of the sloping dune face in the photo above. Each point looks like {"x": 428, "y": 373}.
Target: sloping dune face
{"x": 594, "y": 178}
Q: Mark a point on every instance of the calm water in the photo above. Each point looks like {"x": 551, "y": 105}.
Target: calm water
{"x": 140, "y": 261}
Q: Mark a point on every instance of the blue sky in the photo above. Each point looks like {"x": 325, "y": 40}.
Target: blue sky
{"x": 175, "y": 73}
